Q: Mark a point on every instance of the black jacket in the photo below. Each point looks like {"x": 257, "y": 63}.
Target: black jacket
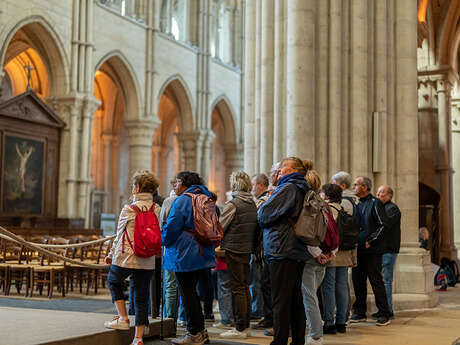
{"x": 373, "y": 225}
{"x": 393, "y": 233}
{"x": 277, "y": 217}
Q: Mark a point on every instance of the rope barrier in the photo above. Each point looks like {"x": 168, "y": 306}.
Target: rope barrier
{"x": 14, "y": 238}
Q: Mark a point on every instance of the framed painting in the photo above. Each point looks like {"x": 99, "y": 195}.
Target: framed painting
{"x": 22, "y": 175}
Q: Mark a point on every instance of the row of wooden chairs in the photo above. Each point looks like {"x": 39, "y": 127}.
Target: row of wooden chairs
{"x": 20, "y": 266}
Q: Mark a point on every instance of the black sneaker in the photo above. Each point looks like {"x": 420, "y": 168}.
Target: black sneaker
{"x": 383, "y": 321}
{"x": 358, "y": 318}
{"x": 329, "y": 329}
{"x": 376, "y": 315}
{"x": 341, "y": 328}
{"x": 263, "y": 324}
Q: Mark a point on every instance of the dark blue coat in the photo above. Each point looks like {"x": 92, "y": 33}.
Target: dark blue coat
{"x": 182, "y": 252}
{"x": 278, "y": 215}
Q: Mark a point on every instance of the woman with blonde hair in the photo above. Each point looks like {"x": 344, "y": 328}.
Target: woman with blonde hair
{"x": 285, "y": 253}
{"x": 239, "y": 221}
{"x": 124, "y": 263}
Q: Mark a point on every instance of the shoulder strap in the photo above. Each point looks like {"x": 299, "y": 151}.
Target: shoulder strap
{"x": 135, "y": 208}
{"x": 152, "y": 208}
{"x": 335, "y": 208}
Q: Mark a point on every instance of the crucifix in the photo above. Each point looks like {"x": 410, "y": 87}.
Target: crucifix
{"x": 29, "y": 76}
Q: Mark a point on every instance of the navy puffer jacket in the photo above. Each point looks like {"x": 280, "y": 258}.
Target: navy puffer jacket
{"x": 278, "y": 215}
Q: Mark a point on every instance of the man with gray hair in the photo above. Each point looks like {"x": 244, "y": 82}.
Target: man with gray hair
{"x": 373, "y": 223}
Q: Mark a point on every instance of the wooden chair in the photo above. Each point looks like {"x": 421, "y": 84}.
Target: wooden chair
{"x": 13, "y": 256}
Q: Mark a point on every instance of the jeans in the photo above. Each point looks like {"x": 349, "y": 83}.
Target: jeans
{"x": 170, "y": 294}
{"x": 255, "y": 288}
{"x": 288, "y": 309}
{"x": 224, "y": 296}
{"x": 388, "y": 265}
{"x": 369, "y": 266}
{"x": 187, "y": 285}
{"x": 238, "y": 268}
{"x": 131, "y": 297}
{"x": 335, "y": 295}
{"x": 313, "y": 274}
{"x": 206, "y": 290}
{"x": 141, "y": 279}
{"x": 267, "y": 291}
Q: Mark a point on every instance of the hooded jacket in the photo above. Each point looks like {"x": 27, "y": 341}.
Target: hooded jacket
{"x": 239, "y": 221}
{"x": 278, "y": 215}
{"x": 182, "y": 251}
{"x": 373, "y": 225}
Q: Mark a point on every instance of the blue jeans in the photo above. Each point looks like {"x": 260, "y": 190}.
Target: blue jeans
{"x": 335, "y": 295}
{"x": 170, "y": 294}
{"x": 313, "y": 274}
{"x": 141, "y": 280}
{"x": 256, "y": 289}
{"x": 388, "y": 265}
{"x": 224, "y": 296}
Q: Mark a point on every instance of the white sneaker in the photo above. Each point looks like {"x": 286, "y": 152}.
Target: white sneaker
{"x": 311, "y": 341}
{"x": 223, "y": 325}
{"x": 234, "y": 334}
{"x": 117, "y": 323}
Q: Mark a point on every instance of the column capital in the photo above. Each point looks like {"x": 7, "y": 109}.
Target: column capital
{"x": 438, "y": 77}
{"x": 192, "y": 138}
{"x": 140, "y": 131}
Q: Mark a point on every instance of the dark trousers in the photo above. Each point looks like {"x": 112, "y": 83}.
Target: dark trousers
{"x": 267, "y": 292}
{"x": 140, "y": 279}
{"x": 369, "y": 266}
{"x": 288, "y": 308}
{"x": 206, "y": 291}
{"x": 187, "y": 285}
{"x": 240, "y": 276}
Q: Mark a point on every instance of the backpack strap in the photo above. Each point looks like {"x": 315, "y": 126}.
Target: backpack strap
{"x": 335, "y": 208}
{"x": 135, "y": 208}
{"x": 125, "y": 236}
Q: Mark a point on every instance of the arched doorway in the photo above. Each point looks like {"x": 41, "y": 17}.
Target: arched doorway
{"x": 110, "y": 151}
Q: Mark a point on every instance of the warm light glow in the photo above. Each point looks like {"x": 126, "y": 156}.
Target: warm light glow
{"x": 18, "y": 74}
{"x": 421, "y": 15}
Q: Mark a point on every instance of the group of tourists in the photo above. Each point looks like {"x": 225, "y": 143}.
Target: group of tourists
{"x": 252, "y": 258}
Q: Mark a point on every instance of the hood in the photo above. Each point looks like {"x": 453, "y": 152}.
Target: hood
{"x": 245, "y": 196}
{"x": 142, "y": 196}
{"x": 348, "y": 193}
{"x": 296, "y": 178}
{"x": 198, "y": 189}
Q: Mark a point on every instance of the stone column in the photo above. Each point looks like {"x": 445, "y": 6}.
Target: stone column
{"x": 206, "y": 158}
{"x": 456, "y": 172}
{"x": 249, "y": 87}
{"x": 414, "y": 283}
{"x": 107, "y": 139}
{"x": 300, "y": 77}
{"x": 140, "y": 134}
{"x": 267, "y": 78}
{"x": 192, "y": 144}
{"x": 444, "y": 169}
{"x": 233, "y": 159}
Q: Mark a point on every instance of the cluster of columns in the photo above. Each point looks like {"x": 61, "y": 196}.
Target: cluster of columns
{"x": 315, "y": 72}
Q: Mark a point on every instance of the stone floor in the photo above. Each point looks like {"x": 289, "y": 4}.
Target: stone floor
{"x": 39, "y": 320}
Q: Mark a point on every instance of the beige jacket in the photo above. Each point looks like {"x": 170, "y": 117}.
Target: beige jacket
{"x": 343, "y": 258}
{"x": 127, "y": 216}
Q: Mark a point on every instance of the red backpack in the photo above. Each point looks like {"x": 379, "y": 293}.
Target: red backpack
{"x": 332, "y": 238}
{"x": 147, "y": 233}
{"x": 208, "y": 230}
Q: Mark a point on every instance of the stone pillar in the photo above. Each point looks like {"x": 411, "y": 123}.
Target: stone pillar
{"x": 192, "y": 144}
{"x": 300, "y": 77}
{"x": 456, "y": 172}
{"x": 206, "y": 158}
{"x": 107, "y": 139}
{"x": 445, "y": 170}
{"x": 414, "y": 283}
{"x": 233, "y": 159}
{"x": 267, "y": 78}
{"x": 140, "y": 144}
{"x": 249, "y": 87}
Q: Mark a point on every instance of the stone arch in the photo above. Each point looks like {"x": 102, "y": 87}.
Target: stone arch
{"x": 125, "y": 78}
{"x": 44, "y": 39}
{"x": 176, "y": 87}
{"x": 447, "y": 33}
{"x": 225, "y": 108}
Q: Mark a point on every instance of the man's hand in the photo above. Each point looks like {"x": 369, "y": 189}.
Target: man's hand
{"x": 107, "y": 260}
{"x": 367, "y": 245}
{"x": 322, "y": 259}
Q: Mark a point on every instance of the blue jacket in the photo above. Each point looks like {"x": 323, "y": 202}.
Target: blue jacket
{"x": 182, "y": 252}
{"x": 278, "y": 215}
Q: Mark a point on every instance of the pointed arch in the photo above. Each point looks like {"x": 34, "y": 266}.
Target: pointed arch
{"x": 45, "y": 40}
{"x": 225, "y": 109}
{"x": 124, "y": 76}
{"x": 178, "y": 91}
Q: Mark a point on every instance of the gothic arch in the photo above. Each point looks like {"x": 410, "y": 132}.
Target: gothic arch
{"x": 446, "y": 36}
{"x": 179, "y": 92}
{"x": 125, "y": 78}
{"x": 45, "y": 40}
{"x": 225, "y": 109}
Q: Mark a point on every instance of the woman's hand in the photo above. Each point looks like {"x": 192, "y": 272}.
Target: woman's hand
{"x": 108, "y": 260}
